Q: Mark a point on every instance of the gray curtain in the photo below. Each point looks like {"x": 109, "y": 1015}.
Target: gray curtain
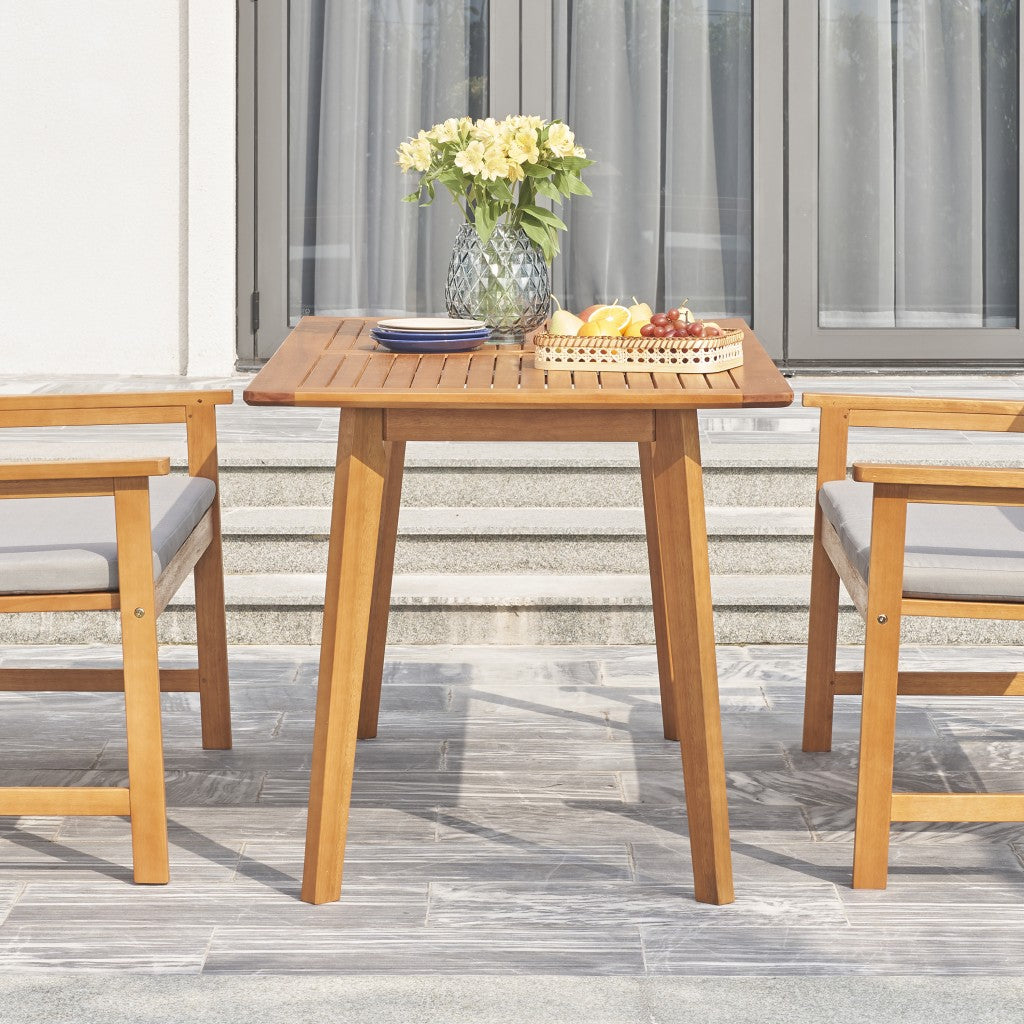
{"x": 362, "y": 78}
{"x": 917, "y": 190}
{"x": 660, "y": 93}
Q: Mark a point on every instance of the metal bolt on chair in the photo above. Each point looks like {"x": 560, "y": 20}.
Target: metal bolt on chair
{"x": 908, "y": 540}
{"x": 119, "y": 535}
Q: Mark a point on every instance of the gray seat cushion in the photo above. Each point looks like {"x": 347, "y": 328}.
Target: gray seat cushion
{"x": 69, "y": 545}
{"x": 962, "y": 552}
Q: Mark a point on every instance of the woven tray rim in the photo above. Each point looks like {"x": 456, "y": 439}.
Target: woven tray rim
{"x": 667, "y": 346}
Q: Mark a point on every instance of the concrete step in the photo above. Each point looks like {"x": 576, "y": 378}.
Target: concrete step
{"x": 507, "y": 609}
{"x": 612, "y": 480}
{"x": 517, "y": 540}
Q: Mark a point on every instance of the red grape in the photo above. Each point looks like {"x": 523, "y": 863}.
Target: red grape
{"x": 713, "y": 332}
{"x": 647, "y": 331}
{"x": 659, "y": 320}
{"x": 696, "y": 329}
{"x": 662, "y": 331}
{"x": 673, "y": 314}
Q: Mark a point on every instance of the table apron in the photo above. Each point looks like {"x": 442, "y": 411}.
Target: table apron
{"x": 518, "y": 425}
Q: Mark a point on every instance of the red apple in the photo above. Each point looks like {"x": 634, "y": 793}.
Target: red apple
{"x": 590, "y": 310}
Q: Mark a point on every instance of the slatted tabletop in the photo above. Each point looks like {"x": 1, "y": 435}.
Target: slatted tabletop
{"x": 333, "y": 361}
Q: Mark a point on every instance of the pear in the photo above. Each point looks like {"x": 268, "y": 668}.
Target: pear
{"x": 640, "y": 312}
{"x": 566, "y": 323}
{"x": 563, "y": 322}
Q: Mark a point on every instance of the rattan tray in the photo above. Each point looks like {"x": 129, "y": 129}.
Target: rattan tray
{"x": 649, "y": 355}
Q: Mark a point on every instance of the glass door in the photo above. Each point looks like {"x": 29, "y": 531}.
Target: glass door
{"x": 679, "y": 102}
{"x": 338, "y": 85}
{"x": 904, "y": 181}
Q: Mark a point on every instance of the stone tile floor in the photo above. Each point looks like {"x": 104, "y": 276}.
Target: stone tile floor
{"x": 518, "y": 814}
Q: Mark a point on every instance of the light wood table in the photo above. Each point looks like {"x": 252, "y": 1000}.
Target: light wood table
{"x": 496, "y": 394}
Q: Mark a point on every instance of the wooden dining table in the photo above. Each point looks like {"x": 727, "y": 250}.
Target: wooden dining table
{"x": 496, "y": 393}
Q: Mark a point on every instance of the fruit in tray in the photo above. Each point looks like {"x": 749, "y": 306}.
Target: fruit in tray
{"x": 636, "y": 321}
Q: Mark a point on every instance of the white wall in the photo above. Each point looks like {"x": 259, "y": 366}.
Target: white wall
{"x": 117, "y": 170}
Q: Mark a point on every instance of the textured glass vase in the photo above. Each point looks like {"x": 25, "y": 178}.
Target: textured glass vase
{"x": 503, "y": 283}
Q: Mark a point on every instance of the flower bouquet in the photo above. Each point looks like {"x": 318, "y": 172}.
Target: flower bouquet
{"x": 497, "y": 171}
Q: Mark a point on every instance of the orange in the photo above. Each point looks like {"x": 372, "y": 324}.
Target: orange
{"x": 597, "y": 329}
{"x": 616, "y": 317}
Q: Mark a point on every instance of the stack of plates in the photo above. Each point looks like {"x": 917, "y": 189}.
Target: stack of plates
{"x": 430, "y": 334}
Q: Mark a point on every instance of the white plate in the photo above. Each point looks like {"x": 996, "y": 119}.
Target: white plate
{"x": 431, "y": 324}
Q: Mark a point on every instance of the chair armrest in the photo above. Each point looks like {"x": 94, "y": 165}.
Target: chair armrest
{"x": 937, "y": 476}
{"x": 114, "y": 400}
{"x": 83, "y": 470}
{"x": 947, "y": 485}
{"x": 904, "y": 403}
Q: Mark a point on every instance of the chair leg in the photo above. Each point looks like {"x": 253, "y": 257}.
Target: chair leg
{"x": 212, "y": 644}
{"x": 877, "y": 751}
{"x": 881, "y": 680}
{"x": 822, "y": 630}
{"x": 147, "y": 799}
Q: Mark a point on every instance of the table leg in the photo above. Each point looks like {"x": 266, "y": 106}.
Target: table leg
{"x": 355, "y": 524}
{"x": 686, "y": 582}
{"x": 668, "y": 698}
{"x": 380, "y": 604}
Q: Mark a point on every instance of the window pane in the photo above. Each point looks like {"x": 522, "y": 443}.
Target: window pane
{"x": 660, "y": 94}
{"x": 918, "y": 180}
{"x": 362, "y": 78}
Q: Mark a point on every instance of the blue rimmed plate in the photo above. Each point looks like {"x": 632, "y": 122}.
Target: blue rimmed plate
{"x": 431, "y": 324}
{"x": 438, "y": 343}
{"x": 383, "y": 335}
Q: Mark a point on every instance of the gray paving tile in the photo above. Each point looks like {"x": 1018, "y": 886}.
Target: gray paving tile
{"x": 425, "y": 951}
{"x": 925, "y": 949}
{"x": 52, "y": 905}
{"x": 609, "y": 904}
{"x": 103, "y": 946}
{"x": 425, "y": 790}
{"x": 514, "y": 859}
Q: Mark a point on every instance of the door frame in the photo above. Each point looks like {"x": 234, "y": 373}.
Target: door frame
{"x": 806, "y": 340}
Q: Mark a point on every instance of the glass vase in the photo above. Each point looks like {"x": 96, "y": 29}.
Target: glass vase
{"x": 504, "y": 283}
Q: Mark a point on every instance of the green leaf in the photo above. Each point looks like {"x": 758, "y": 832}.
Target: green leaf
{"x": 549, "y": 189}
{"x": 542, "y": 237}
{"x": 484, "y": 219}
{"x": 500, "y": 189}
{"x": 412, "y": 197}
{"x": 537, "y": 171}
{"x": 577, "y": 187}
{"x": 542, "y": 216}
{"x": 575, "y": 163}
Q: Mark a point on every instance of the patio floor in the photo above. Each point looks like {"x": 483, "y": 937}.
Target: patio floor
{"x": 518, "y": 814}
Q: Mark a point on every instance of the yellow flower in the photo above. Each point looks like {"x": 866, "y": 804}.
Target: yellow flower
{"x": 485, "y": 129}
{"x": 447, "y": 131}
{"x": 523, "y": 148}
{"x": 420, "y": 153}
{"x": 514, "y": 172}
{"x": 579, "y": 151}
{"x": 495, "y": 164}
{"x": 521, "y": 121}
{"x": 471, "y": 159}
{"x": 405, "y": 160}
{"x": 560, "y": 140}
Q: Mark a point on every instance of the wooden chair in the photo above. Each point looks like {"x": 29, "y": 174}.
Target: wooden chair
{"x": 122, "y": 536}
{"x": 908, "y": 540}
